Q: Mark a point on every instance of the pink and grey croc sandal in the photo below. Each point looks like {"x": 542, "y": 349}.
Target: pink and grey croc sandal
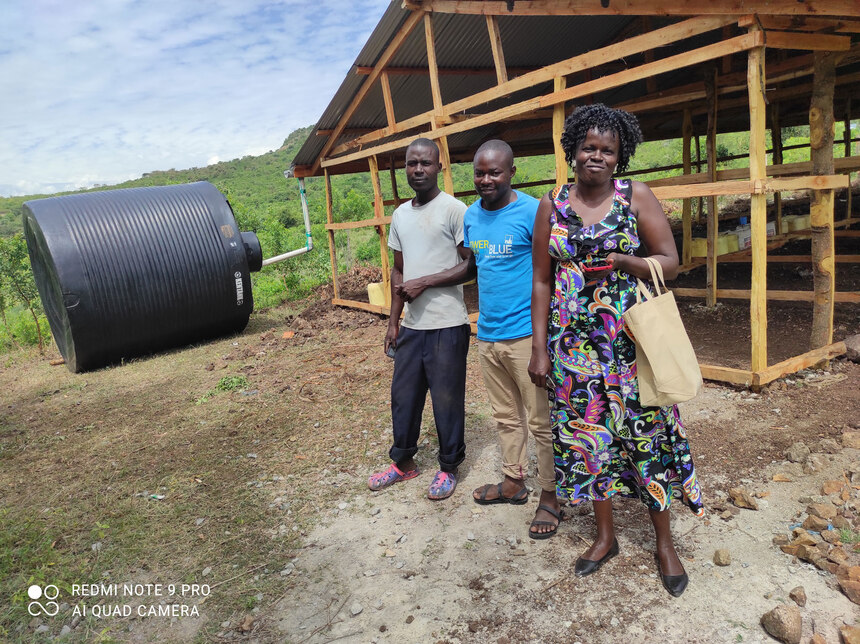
{"x": 443, "y": 486}
{"x": 392, "y": 475}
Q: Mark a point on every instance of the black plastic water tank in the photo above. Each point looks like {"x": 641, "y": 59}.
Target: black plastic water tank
{"x": 128, "y": 272}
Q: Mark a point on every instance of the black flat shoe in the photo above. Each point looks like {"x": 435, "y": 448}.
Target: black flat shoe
{"x": 585, "y": 567}
{"x": 674, "y": 584}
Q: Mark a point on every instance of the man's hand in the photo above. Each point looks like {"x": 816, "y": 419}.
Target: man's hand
{"x": 391, "y": 334}
{"x": 408, "y": 291}
{"x": 539, "y": 368}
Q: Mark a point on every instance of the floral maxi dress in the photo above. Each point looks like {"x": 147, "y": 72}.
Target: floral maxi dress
{"x": 605, "y": 442}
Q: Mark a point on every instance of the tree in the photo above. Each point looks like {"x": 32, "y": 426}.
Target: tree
{"x": 18, "y": 277}
{"x": 4, "y": 298}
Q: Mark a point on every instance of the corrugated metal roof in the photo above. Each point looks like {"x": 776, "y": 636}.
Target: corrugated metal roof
{"x": 462, "y": 42}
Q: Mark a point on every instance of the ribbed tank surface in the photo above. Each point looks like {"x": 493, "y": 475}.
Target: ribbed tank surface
{"x": 127, "y": 272}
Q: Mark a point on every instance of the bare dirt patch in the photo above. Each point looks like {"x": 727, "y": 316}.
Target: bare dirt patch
{"x": 390, "y": 566}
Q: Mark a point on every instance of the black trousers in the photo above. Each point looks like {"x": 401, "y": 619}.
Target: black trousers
{"x": 433, "y": 360}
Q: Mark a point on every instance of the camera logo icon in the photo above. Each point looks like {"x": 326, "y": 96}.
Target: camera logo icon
{"x": 50, "y": 607}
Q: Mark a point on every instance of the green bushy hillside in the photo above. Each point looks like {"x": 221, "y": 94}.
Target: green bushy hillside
{"x": 268, "y": 204}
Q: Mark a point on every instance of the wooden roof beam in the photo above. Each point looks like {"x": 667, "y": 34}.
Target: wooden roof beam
{"x": 650, "y": 82}
{"x": 498, "y": 52}
{"x": 680, "y": 97}
{"x": 386, "y": 98}
{"x": 840, "y": 8}
{"x": 790, "y": 69}
{"x": 447, "y": 71}
{"x": 671, "y": 63}
{"x": 686, "y": 59}
{"x": 435, "y": 89}
{"x": 804, "y": 23}
{"x": 348, "y": 130}
{"x": 593, "y": 58}
{"x": 813, "y": 42}
{"x": 411, "y": 21}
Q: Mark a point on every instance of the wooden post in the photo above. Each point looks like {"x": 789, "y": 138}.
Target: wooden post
{"x": 498, "y": 52}
{"x": 821, "y": 124}
{"x": 393, "y": 173}
{"x": 727, "y": 60}
{"x": 435, "y": 90}
{"x": 329, "y": 216}
{"x": 776, "y": 137}
{"x": 758, "y": 207}
{"x": 387, "y": 100}
{"x": 379, "y": 213}
{"x": 686, "y": 214}
{"x": 713, "y": 215}
{"x": 586, "y": 75}
{"x": 700, "y": 206}
{"x": 651, "y": 81}
{"x": 445, "y": 158}
{"x": 848, "y": 205}
{"x": 438, "y": 107}
{"x": 557, "y": 130}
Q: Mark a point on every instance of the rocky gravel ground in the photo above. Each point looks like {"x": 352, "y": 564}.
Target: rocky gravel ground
{"x": 775, "y": 559}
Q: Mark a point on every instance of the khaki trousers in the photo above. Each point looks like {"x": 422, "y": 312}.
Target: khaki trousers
{"x": 518, "y": 407}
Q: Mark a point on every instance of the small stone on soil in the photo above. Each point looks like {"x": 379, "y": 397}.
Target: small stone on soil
{"x": 850, "y": 634}
{"x": 783, "y": 623}
{"x": 798, "y": 596}
{"x": 797, "y": 453}
{"x": 742, "y": 499}
{"x": 822, "y": 510}
{"x": 722, "y": 557}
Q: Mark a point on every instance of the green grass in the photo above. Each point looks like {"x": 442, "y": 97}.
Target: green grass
{"x": 232, "y": 383}
{"x": 849, "y": 536}
{"x": 81, "y": 466}
{"x": 226, "y": 384}
{"x": 32, "y": 552}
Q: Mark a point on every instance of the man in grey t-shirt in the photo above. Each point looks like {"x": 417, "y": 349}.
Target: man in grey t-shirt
{"x": 433, "y": 340}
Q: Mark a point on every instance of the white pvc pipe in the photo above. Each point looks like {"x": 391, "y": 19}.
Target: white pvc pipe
{"x": 309, "y": 243}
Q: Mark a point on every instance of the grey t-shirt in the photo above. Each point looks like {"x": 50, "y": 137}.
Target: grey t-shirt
{"x": 428, "y": 236}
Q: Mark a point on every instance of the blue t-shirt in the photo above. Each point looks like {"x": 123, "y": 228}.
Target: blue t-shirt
{"x": 501, "y": 241}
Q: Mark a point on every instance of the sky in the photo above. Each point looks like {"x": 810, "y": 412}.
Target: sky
{"x": 102, "y": 91}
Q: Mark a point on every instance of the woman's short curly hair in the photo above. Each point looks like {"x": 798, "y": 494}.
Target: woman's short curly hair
{"x": 602, "y": 118}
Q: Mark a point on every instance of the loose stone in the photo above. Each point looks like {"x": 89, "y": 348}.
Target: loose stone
{"x": 722, "y": 557}
{"x": 783, "y": 623}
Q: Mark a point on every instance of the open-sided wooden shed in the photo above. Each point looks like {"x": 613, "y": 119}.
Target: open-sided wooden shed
{"x": 461, "y": 72}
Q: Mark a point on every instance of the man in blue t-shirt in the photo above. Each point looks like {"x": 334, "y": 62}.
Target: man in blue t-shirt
{"x": 498, "y": 233}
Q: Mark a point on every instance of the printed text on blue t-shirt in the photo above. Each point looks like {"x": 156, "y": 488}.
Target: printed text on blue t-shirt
{"x": 483, "y": 246}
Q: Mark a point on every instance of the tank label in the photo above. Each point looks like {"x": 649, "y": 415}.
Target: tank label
{"x": 227, "y": 231}
{"x": 240, "y": 289}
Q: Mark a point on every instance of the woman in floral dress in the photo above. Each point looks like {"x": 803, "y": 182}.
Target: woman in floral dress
{"x": 605, "y": 441}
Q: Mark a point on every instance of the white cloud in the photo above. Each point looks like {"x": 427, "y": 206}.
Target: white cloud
{"x": 106, "y": 90}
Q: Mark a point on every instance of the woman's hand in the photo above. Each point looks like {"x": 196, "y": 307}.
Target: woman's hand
{"x": 539, "y": 367}
{"x": 598, "y": 274}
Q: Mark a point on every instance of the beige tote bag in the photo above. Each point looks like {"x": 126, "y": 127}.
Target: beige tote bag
{"x": 666, "y": 365}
